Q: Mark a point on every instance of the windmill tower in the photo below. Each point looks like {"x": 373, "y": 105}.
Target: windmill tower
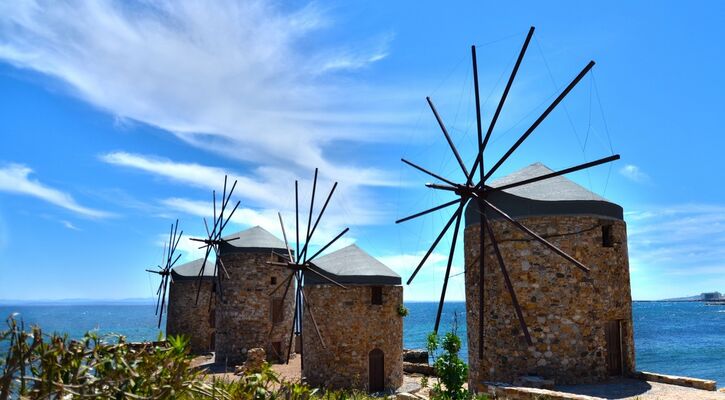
{"x": 184, "y": 315}
{"x": 245, "y": 317}
{"x": 493, "y": 292}
{"x": 360, "y": 325}
{"x": 581, "y": 322}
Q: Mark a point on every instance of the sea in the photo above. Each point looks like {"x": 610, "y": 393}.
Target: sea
{"x": 676, "y": 338}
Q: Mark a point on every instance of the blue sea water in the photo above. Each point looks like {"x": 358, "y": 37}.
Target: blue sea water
{"x": 671, "y": 338}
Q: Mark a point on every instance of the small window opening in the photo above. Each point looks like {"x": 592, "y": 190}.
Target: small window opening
{"x": 376, "y": 295}
{"x": 273, "y": 281}
{"x": 607, "y": 236}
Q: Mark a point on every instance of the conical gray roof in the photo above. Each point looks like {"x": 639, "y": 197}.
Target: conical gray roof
{"x": 253, "y": 239}
{"x": 352, "y": 265}
{"x": 191, "y": 269}
{"x": 554, "y": 196}
{"x": 558, "y": 188}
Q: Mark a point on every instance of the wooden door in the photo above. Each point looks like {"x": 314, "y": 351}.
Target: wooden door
{"x": 613, "y": 335}
{"x": 377, "y": 370}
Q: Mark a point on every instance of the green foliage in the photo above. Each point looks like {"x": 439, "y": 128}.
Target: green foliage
{"x": 452, "y": 372}
{"x": 35, "y": 365}
{"x": 424, "y": 381}
{"x": 402, "y": 310}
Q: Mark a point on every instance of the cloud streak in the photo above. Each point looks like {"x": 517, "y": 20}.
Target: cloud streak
{"x": 634, "y": 174}
{"x": 227, "y": 76}
{"x": 15, "y": 178}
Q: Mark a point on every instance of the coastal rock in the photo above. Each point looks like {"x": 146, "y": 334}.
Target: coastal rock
{"x": 414, "y": 368}
{"x": 416, "y": 356}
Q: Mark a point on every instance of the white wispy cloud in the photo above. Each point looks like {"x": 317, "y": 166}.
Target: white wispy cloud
{"x": 634, "y": 173}
{"x": 269, "y": 189}
{"x": 227, "y": 76}
{"x": 15, "y": 178}
{"x": 69, "y": 225}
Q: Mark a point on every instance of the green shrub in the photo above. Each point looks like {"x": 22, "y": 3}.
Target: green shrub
{"x": 35, "y": 365}
{"x": 402, "y": 310}
{"x": 452, "y": 372}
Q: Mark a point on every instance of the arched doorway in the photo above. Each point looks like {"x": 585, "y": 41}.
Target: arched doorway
{"x": 376, "y": 370}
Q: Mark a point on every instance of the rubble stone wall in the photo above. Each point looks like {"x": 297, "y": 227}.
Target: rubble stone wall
{"x": 351, "y": 327}
{"x": 244, "y": 318}
{"x": 565, "y": 308}
{"x": 187, "y": 317}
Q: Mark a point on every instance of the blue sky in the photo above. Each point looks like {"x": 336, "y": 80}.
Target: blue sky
{"x": 118, "y": 117}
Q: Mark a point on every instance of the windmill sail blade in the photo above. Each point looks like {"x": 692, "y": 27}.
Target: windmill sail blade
{"x": 163, "y": 300}
{"x": 308, "y": 305}
{"x": 317, "y": 220}
{"x": 481, "y": 285}
{"x": 174, "y": 262}
{"x": 158, "y": 295}
{"x": 297, "y": 222}
{"x": 435, "y": 242}
{"x": 557, "y": 173}
{"x": 284, "y": 235}
{"x": 541, "y": 118}
{"x": 201, "y": 274}
{"x": 448, "y": 272}
{"x": 309, "y": 216}
{"x": 221, "y": 264}
{"x": 441, "y": 187}
{"x": 479, "y": 129}
{"x": 479, "y": 158}
{"x": 229, "y": 217}
{"x": 430, "y": 210}
{"x": 285, "y": 281}
{"x": 448, "y": 137}
{"x": 507, "y": 280}
{"x": 425, "y": 171}
{"x": 294, "y": 320}
{"x": 328, "y": 244}
{"x": 538, "y": 238}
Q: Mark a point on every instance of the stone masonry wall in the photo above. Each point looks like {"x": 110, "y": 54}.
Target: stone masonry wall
{"x": 564, "y": 308}
{"x": 186, "y": 317}
{"x": 244, "y": 318}
{"x": 351, "y": 327}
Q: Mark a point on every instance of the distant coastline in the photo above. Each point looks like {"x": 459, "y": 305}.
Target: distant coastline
{"x": 79, "y": 302}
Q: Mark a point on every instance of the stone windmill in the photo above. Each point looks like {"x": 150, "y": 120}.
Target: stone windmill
{"x": 475, "y": 192}
{"x": 164, "y": 269}
{"x": 300, "y": 264}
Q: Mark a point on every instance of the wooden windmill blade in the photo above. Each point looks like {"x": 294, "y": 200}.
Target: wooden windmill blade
{"x": 300, "y": 264}
{"x": 214, "y": 239}
{"x": 169, "y": 259}
{"x": 479, "y": 191}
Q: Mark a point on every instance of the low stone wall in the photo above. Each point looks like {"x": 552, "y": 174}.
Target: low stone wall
{"x": 503, "y": 391}
{"x": 702, "y": 384}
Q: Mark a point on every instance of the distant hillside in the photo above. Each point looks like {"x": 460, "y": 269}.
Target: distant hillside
{"x": 700, "y": 297}
{"x": 78, "y": 302}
